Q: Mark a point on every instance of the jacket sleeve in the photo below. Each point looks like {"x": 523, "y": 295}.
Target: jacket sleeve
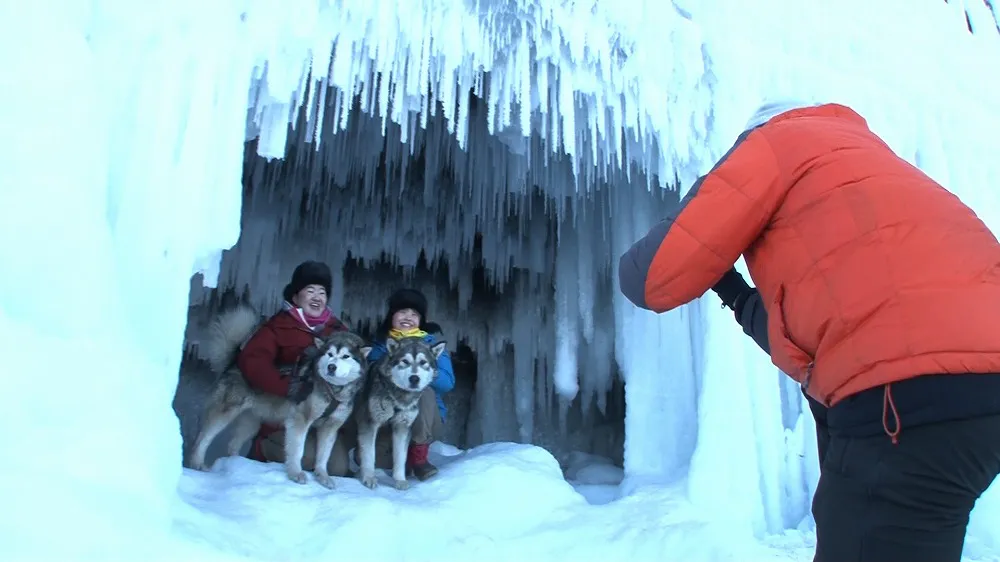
{"x": 723, "y": 213}
{"x": 257, "y": 363}
{"x": 752, "y": 315}
{"x": 378, "y": 350}
{"x": 445, "y": 380}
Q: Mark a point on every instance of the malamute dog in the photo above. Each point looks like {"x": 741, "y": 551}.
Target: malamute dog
{"x": 325, "y": 383}
{"x": 392, "y": 395}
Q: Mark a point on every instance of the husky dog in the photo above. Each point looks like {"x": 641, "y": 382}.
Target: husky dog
{"x": 392, "y": 395}
{"x": 325, "y": 383}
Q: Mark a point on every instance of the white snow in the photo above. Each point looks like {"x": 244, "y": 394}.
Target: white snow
{"x": 496, "y": 502}
{"x": 120, "y": 159}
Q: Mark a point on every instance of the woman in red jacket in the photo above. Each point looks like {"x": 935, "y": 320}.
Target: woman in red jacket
{"x": 879, "y": 292}
{"x": 280, "y": 341}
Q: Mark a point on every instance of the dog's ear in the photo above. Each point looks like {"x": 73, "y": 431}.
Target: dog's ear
{"x": 365, "y": 350}
{"x": 391, "y": 345}
{"x": 438, "y": 348}
{"x": 319, "y": 342}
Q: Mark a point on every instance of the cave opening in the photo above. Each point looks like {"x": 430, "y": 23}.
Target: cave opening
{"x": 482, "y": 228}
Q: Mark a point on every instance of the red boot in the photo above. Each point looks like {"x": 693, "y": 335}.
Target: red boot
{"x": 417, "y": 463}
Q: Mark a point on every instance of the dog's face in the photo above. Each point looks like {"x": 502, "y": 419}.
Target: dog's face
{"x": 412, "y": 363}
{"x": 341, "y": 358}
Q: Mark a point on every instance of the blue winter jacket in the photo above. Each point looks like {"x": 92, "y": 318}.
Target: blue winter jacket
{"x": 442, "y": 383}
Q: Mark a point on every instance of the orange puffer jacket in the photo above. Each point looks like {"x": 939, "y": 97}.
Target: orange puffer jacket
{"x": 870, "y": 271}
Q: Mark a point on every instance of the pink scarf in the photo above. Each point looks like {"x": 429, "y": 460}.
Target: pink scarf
{"x": 309, "y": 321}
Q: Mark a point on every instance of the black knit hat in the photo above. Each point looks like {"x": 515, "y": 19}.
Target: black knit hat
{"x": 309, "y": 273}
{"x": 408, "y": 298}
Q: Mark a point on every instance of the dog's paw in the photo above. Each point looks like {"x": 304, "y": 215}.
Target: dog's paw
{"x": 369, "y": 481}
{"x": 401, "y": 485}
{"x": 297, "y": 477}
{"x": 325, "y": 480}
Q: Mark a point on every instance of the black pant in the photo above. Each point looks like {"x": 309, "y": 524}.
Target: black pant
{"x": 879, "y": 502}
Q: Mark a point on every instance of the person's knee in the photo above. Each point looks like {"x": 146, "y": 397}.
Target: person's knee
{"x": 423, "y": 427}
{"x": 428, "y": 400}
{"x": 272, "y": 447}
{"x": 339, "y": 464}
{"x": 421, "y": 433}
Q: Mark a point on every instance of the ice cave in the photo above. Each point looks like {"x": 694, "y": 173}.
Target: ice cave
{"x": 519, "y": 279}
{"x": 164, "y": 160}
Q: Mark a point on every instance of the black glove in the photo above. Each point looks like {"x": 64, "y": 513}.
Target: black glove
{"x": 732, "y": 289}
{"x": 299, "y": 389}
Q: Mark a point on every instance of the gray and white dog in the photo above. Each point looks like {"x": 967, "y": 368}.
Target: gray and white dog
{"x": 326, "y": 381}
{"x": 392, "y": 396}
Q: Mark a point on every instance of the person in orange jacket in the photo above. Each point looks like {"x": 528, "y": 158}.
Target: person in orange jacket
{"x": 878, "y": 291}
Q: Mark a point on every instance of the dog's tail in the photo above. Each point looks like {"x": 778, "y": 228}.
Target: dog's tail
{"x": 227, "y": 334}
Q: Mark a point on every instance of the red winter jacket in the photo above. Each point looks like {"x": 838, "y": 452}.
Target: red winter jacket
{"x": 279, "y": 341}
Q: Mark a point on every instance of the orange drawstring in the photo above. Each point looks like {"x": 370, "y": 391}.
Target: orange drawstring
{"x": 887, "y": 405}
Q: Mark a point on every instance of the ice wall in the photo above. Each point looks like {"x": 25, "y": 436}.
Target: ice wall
{"x": 119, "y": 160}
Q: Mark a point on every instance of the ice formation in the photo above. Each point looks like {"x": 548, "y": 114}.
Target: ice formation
{"x": 118, "y": 178}
{"x": 624, "y": 102}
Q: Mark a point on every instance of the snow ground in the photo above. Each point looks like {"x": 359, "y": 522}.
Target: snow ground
{"x": 501, "y": 501}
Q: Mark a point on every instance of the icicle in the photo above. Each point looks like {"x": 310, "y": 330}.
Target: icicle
{"x": 525, "y": 352}
{"x": 566, "y": 318}
{"x": 586, "y": 274}
{"x": 524, "y": 90}
{"x": 273, "y": 130}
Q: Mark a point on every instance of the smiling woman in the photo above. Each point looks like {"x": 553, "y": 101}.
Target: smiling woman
{"x": 281, "y": 340}
{"x": 308, "y": 292}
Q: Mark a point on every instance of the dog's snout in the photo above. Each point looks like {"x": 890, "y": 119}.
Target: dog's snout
{"x": 414, "y": 380}
{"x": 332, "y": 368}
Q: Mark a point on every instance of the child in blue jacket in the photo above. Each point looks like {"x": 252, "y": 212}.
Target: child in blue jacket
{"x": 407, "y": 317}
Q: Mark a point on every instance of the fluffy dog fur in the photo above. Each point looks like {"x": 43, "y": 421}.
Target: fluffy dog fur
{"x": 326, "y": 381}
{"x": 391, "y": 396}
